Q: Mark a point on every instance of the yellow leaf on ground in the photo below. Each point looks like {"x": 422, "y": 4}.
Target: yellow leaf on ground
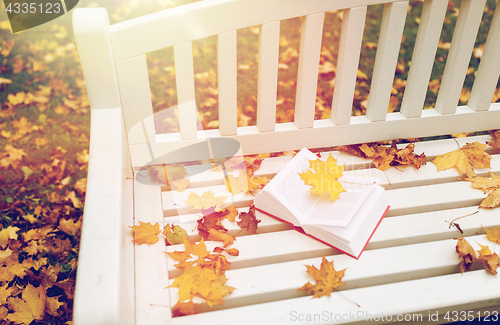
{"x": 327, "y": 279}
{"x": 146, "y": 233}
{"x": 31, "y": 307}
{"x": 69, "y": 226}
{"x": 6, "y": 234}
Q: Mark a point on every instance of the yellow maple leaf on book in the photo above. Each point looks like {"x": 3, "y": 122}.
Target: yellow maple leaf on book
{"x": 323, "y": 177}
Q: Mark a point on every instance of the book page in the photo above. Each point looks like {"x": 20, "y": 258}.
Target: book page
{"x": 341, "y": 211}
{"x": 290, "y": 190}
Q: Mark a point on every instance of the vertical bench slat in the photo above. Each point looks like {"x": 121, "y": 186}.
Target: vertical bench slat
{"x": 226, "y": 64}
{"x": 307, "y": 76}
{"x": 457, "y": 63}
{"x": 269, "y": 37}
{"x": 489, "y": 68}
{"x": 424, "y": 53}
{"x": 133, "y": 81}
{"x": 351, "y": 37}
{"x": 391, "y": 32}
{"x": 184, "y": 76}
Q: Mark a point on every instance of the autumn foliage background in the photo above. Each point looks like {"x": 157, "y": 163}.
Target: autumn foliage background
{"x": 44, "y": 130}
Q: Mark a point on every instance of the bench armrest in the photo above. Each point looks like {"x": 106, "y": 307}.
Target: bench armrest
{"x": 104, "y": 284}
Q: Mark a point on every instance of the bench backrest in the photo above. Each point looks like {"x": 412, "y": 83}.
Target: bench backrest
{"x": 114, "y": 64}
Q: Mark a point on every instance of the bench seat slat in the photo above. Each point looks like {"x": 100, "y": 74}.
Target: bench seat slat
{"x": 394, "y": 264}
{"x": 440, "y": 293}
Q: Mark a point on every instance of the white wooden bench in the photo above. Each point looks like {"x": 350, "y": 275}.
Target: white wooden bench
{"x": 409, "y": 267}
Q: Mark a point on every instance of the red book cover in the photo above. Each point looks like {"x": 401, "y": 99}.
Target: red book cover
{"x": 299, "y": 229}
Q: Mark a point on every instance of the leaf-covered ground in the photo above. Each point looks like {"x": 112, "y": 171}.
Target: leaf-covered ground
{"x": 44, "y": 131}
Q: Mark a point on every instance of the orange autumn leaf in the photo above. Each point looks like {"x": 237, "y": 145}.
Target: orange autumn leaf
{"x": 214, "y": 234}
{"x": 495, "y": 135}
{"x": 244, "y": 183}
{"x": 146, "y": 233}
{"x": 488, "y": 259}
{"x": 248, "y": 220}
{"x": 469, "y": 156}
{"x": 203, "y": 283}
{"x": 6, "y": 234}
{"x": 327, "y": 279}
{"x": 385, "y": 157}
{"x": 323, "y": 177}
{"x": 199, "y": 249}
{"x": 182, "y": 308}
{"x": 31, "y": 307}
{"x": 233, "y": 251}
{"x": 466, "y": 253}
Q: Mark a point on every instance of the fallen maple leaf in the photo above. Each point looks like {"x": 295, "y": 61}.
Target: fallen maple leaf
{"x": 493, "y": 234}
{"x": 214, "y": 234}
{"x": 206, "y": 201}
{"x": 488, "y": 259}
{"x": 492, "y": 200}
{"x": 495, "y": 135}
{"x": 385, "y": 157}
{"x": 327, "y": 279}
{"x": 146, "y": 233}
{"x": 182, "y": 308}
{"x": 469, "y": 156}
{"x": 324, "y": 177}
{"x": 174, "y": 234}
{"x": 29, "y": 308}
{"x": 484, "y": 183}
{"x": 6, "y": 234}
{"x": 466, "y": 253}
{"x": 203, "y": 283}
{"x": 248, "y": 221}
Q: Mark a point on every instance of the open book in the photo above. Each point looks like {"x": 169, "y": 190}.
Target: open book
{"x": 346, "y": 223}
